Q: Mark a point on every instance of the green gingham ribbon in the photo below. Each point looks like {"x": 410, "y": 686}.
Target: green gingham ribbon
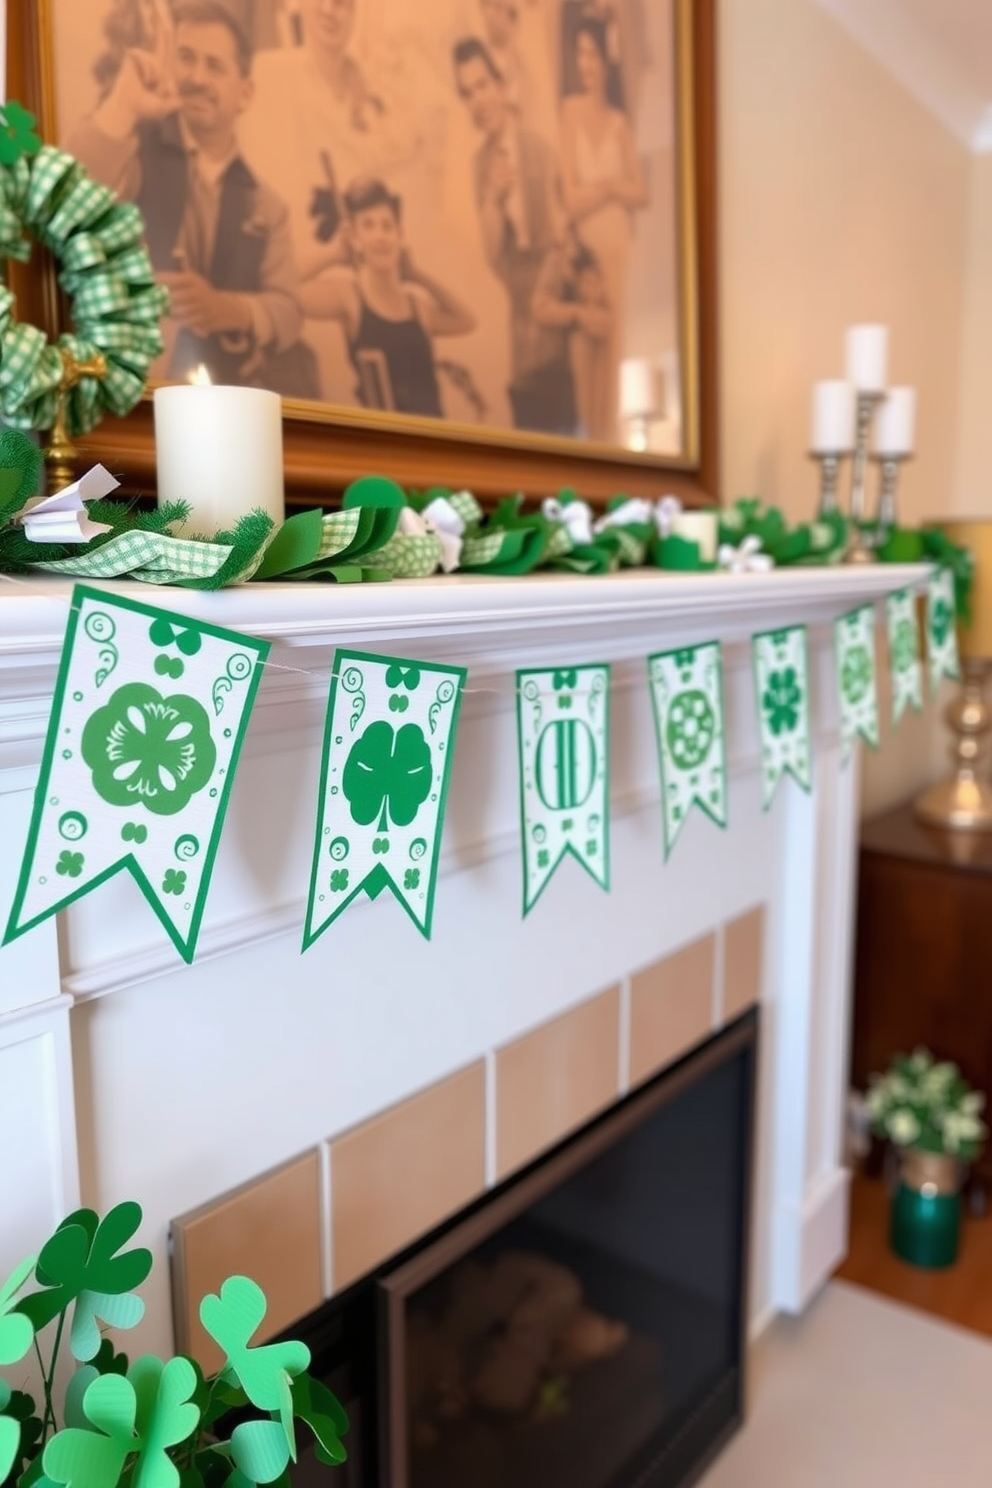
{"x": 151, "y": 557}
{"x": 117, "y": 307}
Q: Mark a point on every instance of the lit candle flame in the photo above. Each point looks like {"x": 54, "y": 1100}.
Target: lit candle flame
{"x": 201, "y": 377}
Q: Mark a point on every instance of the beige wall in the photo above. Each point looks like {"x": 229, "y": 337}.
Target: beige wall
{"x": 842, "y": 200}
{"x": 973, "y": 483}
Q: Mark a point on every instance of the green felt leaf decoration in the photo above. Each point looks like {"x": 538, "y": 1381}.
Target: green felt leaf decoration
{"x": 264, "y": 1373}
{"x": 20, "y": 472}
{"x": 314, "y": 1404}
{"x": 80, "y": 1264}
{"x": 374, "y": 490}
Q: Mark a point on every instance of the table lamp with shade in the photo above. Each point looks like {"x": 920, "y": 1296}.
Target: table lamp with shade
{"x": 964, "y": 802}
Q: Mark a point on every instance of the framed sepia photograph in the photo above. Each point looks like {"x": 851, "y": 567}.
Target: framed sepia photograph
{"x": 484, "y": 227}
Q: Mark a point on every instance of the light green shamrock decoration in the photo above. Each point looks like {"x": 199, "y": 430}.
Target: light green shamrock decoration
{"x": 16, "y": 1338}
{"x": 388, "y": 773}
{"x": 904, "y": 646}
{"x": 856, "y": 674}
{"x": 264, "y": 1373}
{"x": 145, "y": 1413}
{"x": 81, "y": 1264}
{"x": 146, "y": 748}
{"x": 941, "y": 618}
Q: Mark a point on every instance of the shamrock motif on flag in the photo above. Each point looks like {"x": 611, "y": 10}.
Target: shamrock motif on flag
{"x": 856, "y": 674}
{"x": 148, "y": 748}
{"x": 388, "y": 775}
{"x": 781, "y": 700}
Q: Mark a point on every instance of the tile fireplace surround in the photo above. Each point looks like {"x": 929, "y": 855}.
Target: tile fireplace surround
{"x": 344, "y": 1102}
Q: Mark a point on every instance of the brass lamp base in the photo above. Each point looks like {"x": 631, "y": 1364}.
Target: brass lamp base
{"x": 964, "y": 803}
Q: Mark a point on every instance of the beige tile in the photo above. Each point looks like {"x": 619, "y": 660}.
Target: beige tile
{"x": 269, "y": 1230}
{"x": 743, "y": 963}
{"x": 671, "y": 1008}
{"x": 403, "y": 1172}
{"x": 552, "y": 1080}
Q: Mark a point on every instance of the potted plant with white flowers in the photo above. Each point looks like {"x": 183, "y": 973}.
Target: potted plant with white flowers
{"x": 933, "y": 1117}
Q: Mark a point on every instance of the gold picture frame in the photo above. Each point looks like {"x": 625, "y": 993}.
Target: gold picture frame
{"x": 328, "y": 445}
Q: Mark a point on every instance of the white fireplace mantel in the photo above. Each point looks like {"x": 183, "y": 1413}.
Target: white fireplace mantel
{"x": 124, "y": 1074}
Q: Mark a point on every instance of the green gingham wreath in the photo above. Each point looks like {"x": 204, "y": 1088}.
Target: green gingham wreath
{"x": 117, "y": 308}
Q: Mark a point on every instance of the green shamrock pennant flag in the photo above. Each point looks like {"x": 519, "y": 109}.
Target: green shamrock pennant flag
{"x": 147, "y": 724}
{"x": 781, "y": 674}
{"x": 942, "y": 636}
{"x": 563, "y": 735}
{"x": 687, "y": 692}
{"x": 386, "y": 767}
{"x": 905, "y": 668}
{"x": 857, "y": 684}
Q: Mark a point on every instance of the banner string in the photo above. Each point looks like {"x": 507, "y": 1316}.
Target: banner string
{"x": 277, "y": 666}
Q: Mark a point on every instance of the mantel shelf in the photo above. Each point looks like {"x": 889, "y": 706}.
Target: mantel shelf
{"x": 480, "y": 614}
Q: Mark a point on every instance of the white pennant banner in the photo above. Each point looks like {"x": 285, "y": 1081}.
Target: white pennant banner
{"x": 687, "y": 693}
{"x": 857, "y": 681}
{"x": 905, "y": 667}
{"x": 781, "y": 674}
{"x": 564, "y": 742}
{"x": 942, "y": 635}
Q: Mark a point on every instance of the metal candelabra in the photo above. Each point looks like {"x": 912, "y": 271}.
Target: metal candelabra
{"x": 858, "y": 547}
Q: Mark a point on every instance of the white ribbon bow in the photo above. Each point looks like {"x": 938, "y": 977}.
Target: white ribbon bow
{"x": 442, "y": 518}
{"x": 748, "y": 558}
{"x": 638, "y": 511}
{"x": 63, "y": 518}
{"x": 666, "y": 513}
{"x": 576, "y": 517}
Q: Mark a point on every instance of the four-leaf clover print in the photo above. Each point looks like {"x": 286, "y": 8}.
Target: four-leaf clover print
{"x": 70, "y": 865}
{"x": 143, "y": 747}
{"x": 388, "y": 775}
{"x": 904, "y": 646}
{"x": 781, "y": 701}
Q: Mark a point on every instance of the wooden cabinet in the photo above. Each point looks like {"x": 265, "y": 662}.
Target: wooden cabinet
{"x": 923, "y": 971}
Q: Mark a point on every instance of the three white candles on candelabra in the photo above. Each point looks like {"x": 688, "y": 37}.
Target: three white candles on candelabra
{"x": 833, "y": 431}
{"x": 834, "y": 421}
{"x": 220, "y": 450}
{"x": 895, "y": 425}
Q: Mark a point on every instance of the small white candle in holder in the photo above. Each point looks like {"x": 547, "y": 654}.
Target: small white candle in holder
{"x": 895, "y": 424}
{"x": 220, "y": 450}
{"x": 834, "y": 416}
{"x": 700, "y": 527}
{"x": 868, "y": 357}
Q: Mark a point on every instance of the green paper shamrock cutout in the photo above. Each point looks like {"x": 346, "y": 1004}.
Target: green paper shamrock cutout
{"x": 146, "y": 1413}
{"x": 314, "y": 1404}
{"x": 18, "y": 134}
{"x": 388, "y": 775}
{"x": 19, "y": 1413}
{"x": 264, "y": 1373}
{"x": 16, "y": 1331}
{"x": 781, "y": 701}
{"x": 259, "y": 1451}
{"x": 145, "y": 748}
{"x": 81, "y": 1264}
{"x": 95, "y": 1458}
{"x": 10, "y": 1441}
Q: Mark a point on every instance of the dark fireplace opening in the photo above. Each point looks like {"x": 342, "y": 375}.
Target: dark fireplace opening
{"x": 583, "y": 1326}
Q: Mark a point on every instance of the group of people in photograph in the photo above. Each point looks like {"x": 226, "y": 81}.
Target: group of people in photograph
{"x": 304, "y": 214}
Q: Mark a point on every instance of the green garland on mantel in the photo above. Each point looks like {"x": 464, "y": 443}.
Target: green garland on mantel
{"x": 382, "y": 533}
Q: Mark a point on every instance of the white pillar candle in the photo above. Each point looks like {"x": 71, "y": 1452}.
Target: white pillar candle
{"x": 834, "y": 416}
{"x": 700, "y": 527}
{"x": 868, "y": 357}
{"x": 220, "y": 450}
{"x": 637, "y": 395}
{"x": 895, "y": 425}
